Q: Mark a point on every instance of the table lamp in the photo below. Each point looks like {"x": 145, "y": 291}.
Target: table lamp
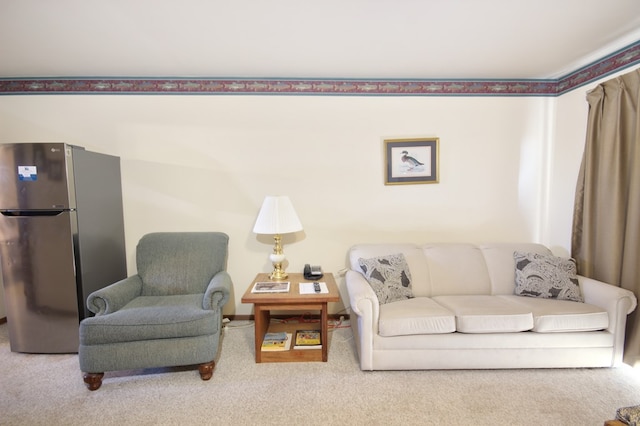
{"x": 276, "y": 217}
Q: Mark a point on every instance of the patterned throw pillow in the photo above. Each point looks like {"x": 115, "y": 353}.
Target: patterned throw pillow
{"x": 629, "y": 415}
{"x": 389, "y": 277}
{"x": 546, "y": 276}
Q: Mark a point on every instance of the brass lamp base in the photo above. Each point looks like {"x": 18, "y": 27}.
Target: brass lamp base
{"x": 277, "y": 258}
{"x": 278, "y": 274}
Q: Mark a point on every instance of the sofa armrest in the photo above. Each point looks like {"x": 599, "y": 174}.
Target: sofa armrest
{"x": 218, "y": 291}
{"x": 364, "y": 303}
{"x": 618, "y": 303}
{"x": 607, "y": 296}
{"x": 362, "y": 298}
{"x": 112, "y": 298}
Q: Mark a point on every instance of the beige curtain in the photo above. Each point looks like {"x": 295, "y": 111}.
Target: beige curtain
{"x": 606, "y": 222}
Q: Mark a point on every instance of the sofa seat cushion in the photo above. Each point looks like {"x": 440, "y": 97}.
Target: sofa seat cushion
{"x": 472, "y": 342}
{"x": 156, "y": 317}
{"x": 552, "y": 316}
{"x": 487, "y": 314}
{"x": 420, "y": 315}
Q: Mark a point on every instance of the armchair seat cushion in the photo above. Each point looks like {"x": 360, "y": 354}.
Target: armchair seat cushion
{"x": 151, "y": 318}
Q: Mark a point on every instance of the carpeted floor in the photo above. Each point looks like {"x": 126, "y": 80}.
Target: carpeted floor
{"x": 48, "y": 390}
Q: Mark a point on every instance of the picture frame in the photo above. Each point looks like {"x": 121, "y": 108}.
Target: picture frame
{"x": 411, "y": 161}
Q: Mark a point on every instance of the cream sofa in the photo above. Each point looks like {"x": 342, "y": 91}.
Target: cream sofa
{"x": 464, "y": 314}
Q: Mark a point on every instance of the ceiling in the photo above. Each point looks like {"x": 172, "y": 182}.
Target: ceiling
{"x": 367, "y": 39}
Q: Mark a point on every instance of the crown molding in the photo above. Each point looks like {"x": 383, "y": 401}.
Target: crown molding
{"x": 617, "y": 61}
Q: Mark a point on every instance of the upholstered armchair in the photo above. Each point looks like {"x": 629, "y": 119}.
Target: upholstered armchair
{"x": 168, "y": 314}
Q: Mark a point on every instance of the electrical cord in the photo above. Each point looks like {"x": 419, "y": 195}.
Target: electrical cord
{"x": 305, "y": 319}
{"x": 332, "y": 324}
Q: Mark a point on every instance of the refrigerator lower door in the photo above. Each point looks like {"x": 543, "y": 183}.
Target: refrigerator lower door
{"x": 38, "y": 271}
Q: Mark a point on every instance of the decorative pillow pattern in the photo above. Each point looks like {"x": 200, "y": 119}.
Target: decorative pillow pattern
{"x": 389, "y": 277}
{"x": 546, "y": 276}
{"x": 629, "y": 415}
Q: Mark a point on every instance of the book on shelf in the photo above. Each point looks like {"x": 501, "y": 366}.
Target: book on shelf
{"x": 277, "y": 342}
{"x": 308, "y": 339}
{"x": 270, "y": 287}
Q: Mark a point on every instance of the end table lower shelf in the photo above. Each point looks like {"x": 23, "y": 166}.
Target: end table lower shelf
{"x": 264, "y": 303}
{"x": 292, "y": 355}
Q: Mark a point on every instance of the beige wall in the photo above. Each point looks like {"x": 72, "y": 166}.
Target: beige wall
{"x": 192, "y": 163}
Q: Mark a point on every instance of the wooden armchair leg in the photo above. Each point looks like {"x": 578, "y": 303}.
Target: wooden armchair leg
{"x": 206, "y": 370}
{"x": 93, "y": 380}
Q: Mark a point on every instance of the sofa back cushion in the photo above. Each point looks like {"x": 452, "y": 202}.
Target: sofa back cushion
{"x": 436, "y": 269}
{"x": 444, "y": 269}
{"x": 456, "y": 269}
{"x": 420, "y": 283}
{"x": 502, "y": 266}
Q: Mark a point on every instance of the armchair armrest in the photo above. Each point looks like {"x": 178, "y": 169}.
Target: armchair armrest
{"x": 112, "y": 298}
{"x": 218, "y": 291}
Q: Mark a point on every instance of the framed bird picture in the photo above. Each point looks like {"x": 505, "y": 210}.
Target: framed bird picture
{"x": 411, "y": 161}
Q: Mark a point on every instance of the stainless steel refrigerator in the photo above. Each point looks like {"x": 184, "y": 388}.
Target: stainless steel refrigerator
{"x": 61, "y": 237}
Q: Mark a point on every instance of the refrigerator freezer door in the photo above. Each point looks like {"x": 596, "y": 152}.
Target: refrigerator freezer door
{"x": 35, "y": 176}
{"x": 39, "y": 282}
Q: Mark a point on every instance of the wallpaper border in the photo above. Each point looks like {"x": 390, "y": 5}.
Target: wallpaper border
{"x": 614, "y": 62}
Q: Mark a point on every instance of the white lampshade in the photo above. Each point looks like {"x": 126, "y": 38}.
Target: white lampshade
{"x": 277, "y": 216}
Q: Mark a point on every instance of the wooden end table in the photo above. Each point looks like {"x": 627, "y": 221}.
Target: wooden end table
{"x": 264, "y": 303}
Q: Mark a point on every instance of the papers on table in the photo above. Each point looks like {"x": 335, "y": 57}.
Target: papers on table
{"x": 307, "y": 288}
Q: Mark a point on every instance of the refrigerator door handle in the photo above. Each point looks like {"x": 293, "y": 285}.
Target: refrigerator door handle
{"x": 22, "y": 213}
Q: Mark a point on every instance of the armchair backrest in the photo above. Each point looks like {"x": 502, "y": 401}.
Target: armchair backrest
{"x": 171, "y": 263}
